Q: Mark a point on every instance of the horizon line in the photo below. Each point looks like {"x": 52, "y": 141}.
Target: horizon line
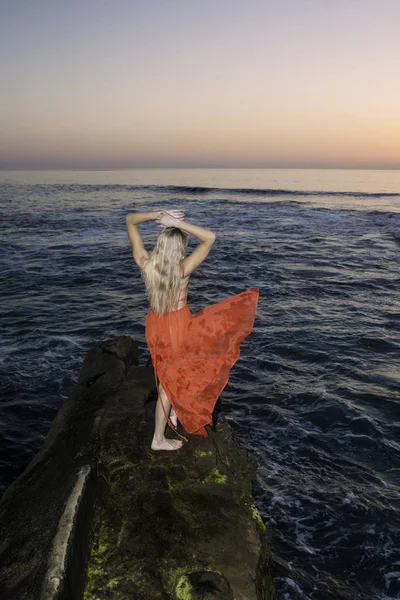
{"x": 164, "y": 168}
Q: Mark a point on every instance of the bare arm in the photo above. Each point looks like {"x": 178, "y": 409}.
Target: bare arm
{"x": 202, "y": 233}
{"x": 200, "y": 253}
{"x": 139, "y": 252}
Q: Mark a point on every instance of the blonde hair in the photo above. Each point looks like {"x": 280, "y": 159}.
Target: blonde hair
{"x": 162, "y": 272}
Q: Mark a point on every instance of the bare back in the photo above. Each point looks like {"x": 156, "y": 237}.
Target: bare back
{"x": 183, "y": 291}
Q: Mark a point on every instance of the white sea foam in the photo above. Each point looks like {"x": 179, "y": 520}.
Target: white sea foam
{"x": 75, "y": 340}
{"x": 389, "y": 577}
{"x": 288, "y": 582}
{"x": 349, "y": 498}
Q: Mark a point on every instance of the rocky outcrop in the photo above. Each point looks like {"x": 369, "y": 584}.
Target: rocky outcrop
{"x": 98, "y": 514}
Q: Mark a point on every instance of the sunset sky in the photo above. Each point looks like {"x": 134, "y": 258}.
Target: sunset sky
{"x": 199, "y": 83}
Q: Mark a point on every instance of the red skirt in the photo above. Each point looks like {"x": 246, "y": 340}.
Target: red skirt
{"x": 193, "y": 355}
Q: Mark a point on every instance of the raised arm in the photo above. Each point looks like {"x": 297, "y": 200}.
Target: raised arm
{"x": 140, "y": 254}
{"x": 199, "y": 254}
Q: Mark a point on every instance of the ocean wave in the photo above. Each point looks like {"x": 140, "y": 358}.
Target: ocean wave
{"x": 199, "y": 190}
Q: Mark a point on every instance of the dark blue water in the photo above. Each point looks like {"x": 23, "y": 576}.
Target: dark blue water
{"x": 315, "y": 394}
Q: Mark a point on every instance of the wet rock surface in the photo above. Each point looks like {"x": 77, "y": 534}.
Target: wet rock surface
{"x": 98, "y": 514}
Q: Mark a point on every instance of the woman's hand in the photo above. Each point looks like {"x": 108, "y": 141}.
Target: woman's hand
{"x": 170, "y": 218}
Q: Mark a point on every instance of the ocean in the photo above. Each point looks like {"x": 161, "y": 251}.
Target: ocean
{"x": 315, "y": 394}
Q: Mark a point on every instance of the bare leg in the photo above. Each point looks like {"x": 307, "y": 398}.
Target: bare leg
{"x": 173, "y": 417}
{"x": 160, "y": 442}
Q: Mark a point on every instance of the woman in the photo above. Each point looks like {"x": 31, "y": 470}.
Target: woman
{"x": 192, "y": 355}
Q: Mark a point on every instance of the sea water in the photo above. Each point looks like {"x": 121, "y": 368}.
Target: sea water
{"x": 315, "y": 394}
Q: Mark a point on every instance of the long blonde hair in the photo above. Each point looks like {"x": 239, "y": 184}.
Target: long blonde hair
{"x": 162, "y": 272}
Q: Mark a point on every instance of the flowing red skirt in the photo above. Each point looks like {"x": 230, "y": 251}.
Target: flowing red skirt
{"x": 193, "y": 355}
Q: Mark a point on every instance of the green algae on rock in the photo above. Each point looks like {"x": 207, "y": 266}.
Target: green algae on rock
{"x": 255, "y": 513}
{"x": 216, "y": 477}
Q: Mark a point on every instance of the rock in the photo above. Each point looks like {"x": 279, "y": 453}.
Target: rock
{"x": 98, "y": 514}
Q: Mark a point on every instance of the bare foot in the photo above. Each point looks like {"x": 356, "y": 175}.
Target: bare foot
{"x": 173, "y": 417}
{"x": 166, "y": 444}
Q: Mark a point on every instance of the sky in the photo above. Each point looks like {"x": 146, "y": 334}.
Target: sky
{"x": 96, "y": 84}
